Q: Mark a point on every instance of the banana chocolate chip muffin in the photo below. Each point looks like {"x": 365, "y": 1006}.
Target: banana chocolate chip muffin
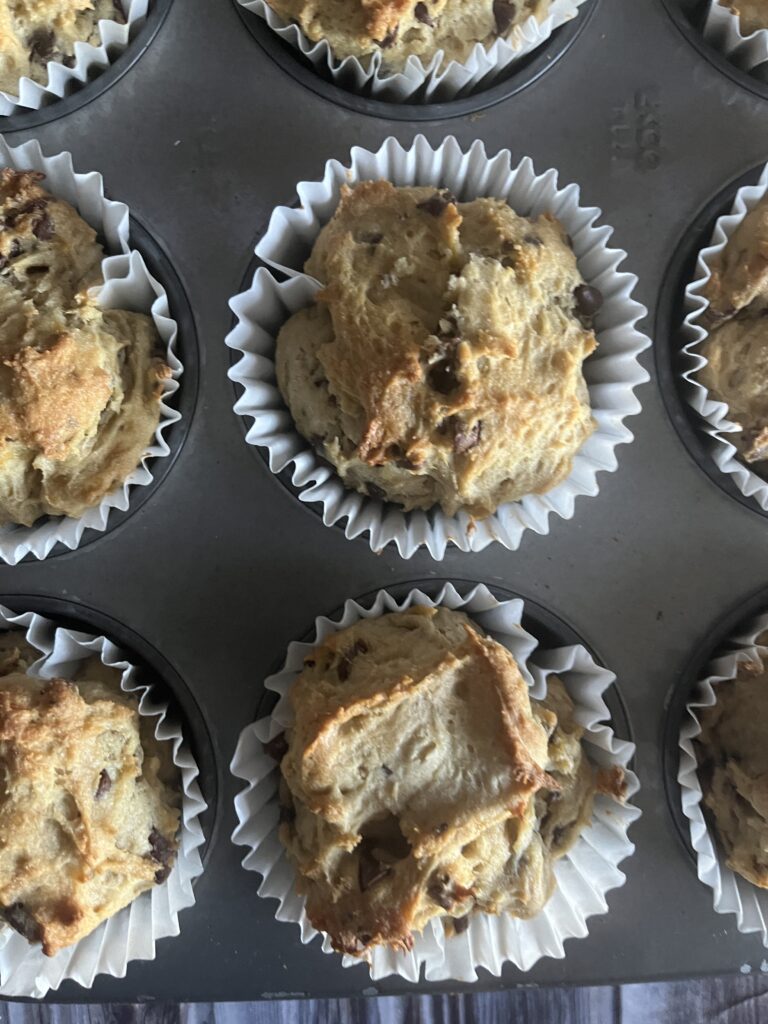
{"x": 398, "y": 29}
{"x": 733, "y": 769}
{"x": 420, "y": 781}
{"x": 80, "y": 386}
{"x": 34, "y": 32}
{"x": 736, "y": 350}
{"x": 442, "y": 361}
{"x": 89, "y": 800}
{"x": 752, "y": 14}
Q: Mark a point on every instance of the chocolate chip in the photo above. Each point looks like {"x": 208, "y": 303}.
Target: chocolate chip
{"x": 38, "y": 268}
{"x": 360, "y": 647}
{"x": 376, "y": 492}
{"x": 439, "y": 829}
{"x": 557, "y": 835}
{"x": 15, "y": 249}
{"x": 405, "y": 464}
{"x": 43, "y": 228}
{"x": 533, "y": 240}
{"x": 344, "y": 668}
{"x": 421, "y": 13}
{"x": 287, "y": 815}
{"x": 277, "y": 747}
{"x": 504, "y": 14}
{"x": 460, "y": 924}
{"x": 464, "y": 440}
{"x": 105, "y": 784}
{"x": 441, "y": 376}
{"x": 387, "y": 770}
{"x": 588, "y": 301}
{"x": 162, "y": 850}
{"x": 68, "y": 60}
{"x": 309, "y": 663}
{"x": 18, "y": 917}
{"x": 437, "y": 203}
{"x": 388, "y": 39}
{"x": 372, "y": 238}
{"x": 365, "y": 938}
{"x": 438, "y": 893}
{"x": 40, "y": 44}
{"x": 370, "y": 870}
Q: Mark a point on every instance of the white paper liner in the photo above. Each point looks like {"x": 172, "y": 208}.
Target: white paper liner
{"x": 417, "y": 82}
{"x": 722, "y": 29}
{"x": 584, "y": 875}
{"x": 732, "y": 893}
{"x": 130, "y": 934}
{"x": 612, "y": 373}
{"x": 715, "y": 413}
{"x": 88, "y": 60}
{"x": 128, "y": 284}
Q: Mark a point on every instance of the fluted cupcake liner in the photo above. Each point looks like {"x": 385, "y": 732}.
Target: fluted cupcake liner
{"x": 732, "y": 894}
{"x": 612, "y": 372}
{"x": 133, "y": 932}
{"x": 432, "y": 82}
{"x": 128, "y": 284}
{"x": 584, "y": 875}
{"x": 89, "y": 60}
{"x": 715, "y": 414}
{"x": 722, "y": 30}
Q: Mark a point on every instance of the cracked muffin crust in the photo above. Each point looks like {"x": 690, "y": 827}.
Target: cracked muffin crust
{"x": 442, "y": 361}
{"x": 80, "y": 386}
{"x": 34, "y": 32}
{"x": 89, "y": 800}
{"x": 420, "y": 781}
{"x": 736, "y": 350}
{"x": 752, "y": 14}
{"x": 397, "y": 29}
{"x": 733, "y": 770}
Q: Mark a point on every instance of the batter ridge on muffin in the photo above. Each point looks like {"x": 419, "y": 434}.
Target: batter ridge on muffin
{"x": 80, "y": 386}
{"x": 733, "y": 769}
{"x": 736, "y": 351}
{"x": 398, "y": 29}
{"x": 34, "y": 32}
{"x": 419, "y": 780}
{"x": 442, "y": 361}
{"x": 89, "y": 802}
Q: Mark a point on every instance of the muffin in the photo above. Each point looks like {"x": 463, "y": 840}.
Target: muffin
{"x": 89, "y": 800}
{"x": 419, "y": 781}
{"x": 34, "y": 32}
{"x": 752, "y": 14}
{"x": 80, "y": 386}
{"x": 397, "y": 30}
{"x": 736, "y": 350}
{"x": 442, "y": 361}
{"x": 733, "y": 770}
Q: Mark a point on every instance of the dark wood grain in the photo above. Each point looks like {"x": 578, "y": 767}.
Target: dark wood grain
{"x": 741, "y": 1000}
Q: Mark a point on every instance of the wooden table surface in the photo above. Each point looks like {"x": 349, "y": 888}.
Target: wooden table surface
{"x": 732, "y": 1000}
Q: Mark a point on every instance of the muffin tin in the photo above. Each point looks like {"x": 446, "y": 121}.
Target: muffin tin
{"x": 220, "y": 568}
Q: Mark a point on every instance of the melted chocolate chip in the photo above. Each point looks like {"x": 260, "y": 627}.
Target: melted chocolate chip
{"x": 372, "y": 238}
{"x": 15, "y": 249}
{"x": 441, "y": 376}
{"x": 345, "y": 664}
{"x": 557, "y": 835}
{"x": 533, "y": 240}
{"x": 465, "y": 439}
{"x": 588, "y": 301}
{"x": 439, "y": 894}
{"x": 162, "y": 850}
{"x": 387, "y": 770}
{"x": 309, "y": 663}
{"x": 421, "y": 13}
{"x": 370, "y": 870}
{"x": 504, "y": 14}
{"x": 18, "y": 917}
{"x": 105, "y": 784}
{"x": 437, "y": 203}
{"x": 43, "y": 228}
{"x": 388, "y": 39}
{"x": 40, "y": 44}
{"x": 460, "y": 924}
{"x": 287, "y": 815}
{"x": 376, "y": 492}
{"x": 277, "y": 747}
{"x": 439, "y": 829}
{"x": 365, "y": 938}
{"x": 69, "y": 60}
